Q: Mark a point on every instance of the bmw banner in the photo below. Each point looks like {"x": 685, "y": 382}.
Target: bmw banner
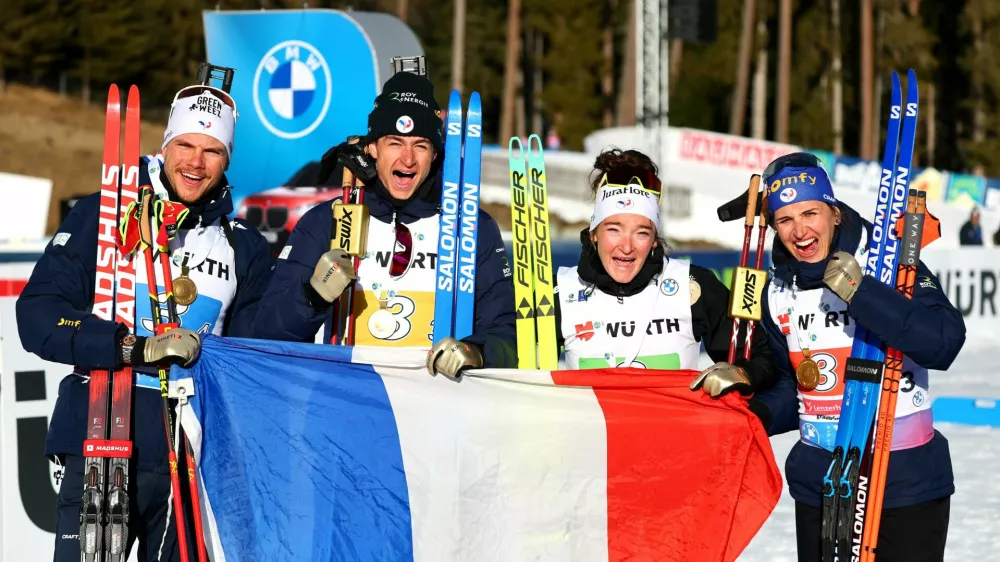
{"x": 305, "y": 80}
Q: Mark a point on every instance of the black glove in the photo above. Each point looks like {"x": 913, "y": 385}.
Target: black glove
{"x": 350, "y": 154}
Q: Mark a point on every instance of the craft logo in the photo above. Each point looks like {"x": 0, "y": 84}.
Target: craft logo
{"x": 404, "y": 124}
{"x": 669, "y": 287}
{"x": 292, "y": 89}
{"x": 788, "y": 195}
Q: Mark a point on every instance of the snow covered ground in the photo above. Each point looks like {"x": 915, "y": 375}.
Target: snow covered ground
{"x": 974, "y": 532}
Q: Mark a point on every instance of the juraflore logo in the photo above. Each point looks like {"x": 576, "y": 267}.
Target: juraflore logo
{"x": 292, "y": 89}
{"x": 609, "y": 192}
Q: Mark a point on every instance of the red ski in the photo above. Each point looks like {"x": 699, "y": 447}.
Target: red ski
{"x": 104, "y": 509}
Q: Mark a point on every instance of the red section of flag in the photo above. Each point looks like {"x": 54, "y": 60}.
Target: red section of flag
{"x": 689, "y": 477}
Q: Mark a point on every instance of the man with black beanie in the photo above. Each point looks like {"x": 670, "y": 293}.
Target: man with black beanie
{"x": 399, "y": 163}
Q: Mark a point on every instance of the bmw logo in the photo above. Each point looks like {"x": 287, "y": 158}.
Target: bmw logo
{"x": 669, "y": 287}
{"x": 918, "y": 398}
{"x": 788, "y": 194}
{"x": 292, "y": 89}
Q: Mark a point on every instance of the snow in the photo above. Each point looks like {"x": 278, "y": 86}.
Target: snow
{"x": 974, "y": 530}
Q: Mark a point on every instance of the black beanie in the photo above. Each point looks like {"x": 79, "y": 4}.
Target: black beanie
{"x": 407, "y": 107}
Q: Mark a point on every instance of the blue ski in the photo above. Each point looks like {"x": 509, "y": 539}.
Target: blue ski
{"x": 444, "y": 293}
{"x": 471, "y": 164}
{"x": 844, "y": 483}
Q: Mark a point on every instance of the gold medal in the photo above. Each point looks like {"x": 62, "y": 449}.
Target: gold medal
{"x": 185, "y": 291}
{"x": 807, "y": 372}
{"x": 695, "y": 291}
{"x": 382, "y": 324}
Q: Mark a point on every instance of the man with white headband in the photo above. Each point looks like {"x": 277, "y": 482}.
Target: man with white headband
{"x": 627, "y": 304}
{"x": 224, "y": 266}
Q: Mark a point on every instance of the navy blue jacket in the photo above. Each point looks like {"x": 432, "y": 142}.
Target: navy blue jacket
{"x": 62, "y": 287}
{"x": 928, "y": 328}
{"x": 285, "y": 314}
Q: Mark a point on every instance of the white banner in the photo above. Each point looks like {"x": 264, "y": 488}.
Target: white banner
{"x": 971, "y": 279}
{"x": 26, "y": 220}
{"x": 28, "y": 391}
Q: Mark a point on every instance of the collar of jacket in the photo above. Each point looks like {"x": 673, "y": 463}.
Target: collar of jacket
{"x": 846, "y": 237}
{"x": 592, "y": 271}
{"x": 218, "y": 202}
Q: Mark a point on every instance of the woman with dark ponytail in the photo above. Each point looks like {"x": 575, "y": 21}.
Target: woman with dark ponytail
{"x": 628, "y": 304}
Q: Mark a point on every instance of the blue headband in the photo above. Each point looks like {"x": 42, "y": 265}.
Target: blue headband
{"x": 796, "y": 184}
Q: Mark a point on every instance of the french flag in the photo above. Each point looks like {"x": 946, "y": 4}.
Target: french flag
{"x": 316, "y": 452}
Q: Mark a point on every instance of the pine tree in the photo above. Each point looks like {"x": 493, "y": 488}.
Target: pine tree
{"x": 32, "y": 36}
{"x": 112, "y": 42}
{"x": 981, "y": 20}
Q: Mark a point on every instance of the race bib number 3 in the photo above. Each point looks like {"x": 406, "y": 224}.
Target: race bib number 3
{"x": 825, "y": 399}
{"x": 405, "y": 321}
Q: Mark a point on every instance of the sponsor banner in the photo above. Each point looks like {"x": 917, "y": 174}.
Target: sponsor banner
{"x": 966, "y": 190}
{"x": 27, "y": 219}
{"x": 991, "y": 200}
{"x": 730, "y": 151}
{"x": 305, "y": 80}
{"x": 970, "y": 278}
{"x": 28, "y": 390}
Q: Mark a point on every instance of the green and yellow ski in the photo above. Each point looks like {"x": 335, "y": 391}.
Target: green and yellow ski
{"x": 534, "y": 297}
{"x": 541, "y": 246}
{"x": 523, "y": 277}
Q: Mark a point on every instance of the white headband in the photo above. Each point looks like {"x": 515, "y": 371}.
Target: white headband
{"x": 206, "y": 114}
{"x": 629, "y": 199}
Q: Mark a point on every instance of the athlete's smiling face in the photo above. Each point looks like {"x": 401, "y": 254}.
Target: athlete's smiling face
{"x": 194, "y": 164}
{"x": 806, "y": 229}
{"x": 624, "y": 243}
{"x": 402, "y": 163}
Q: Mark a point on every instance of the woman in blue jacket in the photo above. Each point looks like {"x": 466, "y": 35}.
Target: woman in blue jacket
{"x": 815, "y": 298}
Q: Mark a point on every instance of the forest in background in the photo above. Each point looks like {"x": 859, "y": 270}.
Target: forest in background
{"x": 570, "y": 64}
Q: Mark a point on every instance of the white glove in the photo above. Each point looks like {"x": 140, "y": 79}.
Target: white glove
{"x": 179, "y": 346}
{"x": 843, "y": 275}
{"x": 334, "y": 272}
{"x": 450, "y": 357}
{"x": 722, "y": 378}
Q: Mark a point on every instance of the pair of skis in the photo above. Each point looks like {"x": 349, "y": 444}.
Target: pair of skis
{"x": 854, "y": 484}
{"x": 455, "y": 277}
{"x": 104, "y": 515}
{"x": 534, "y": 299}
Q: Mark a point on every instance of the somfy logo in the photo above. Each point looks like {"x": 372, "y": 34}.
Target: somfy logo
{"x": 292, "y": 89}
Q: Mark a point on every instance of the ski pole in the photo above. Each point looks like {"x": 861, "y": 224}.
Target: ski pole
{"x": 758, "y": 263}
{"x": 747, "y": 284}
{"x": 159, "y": 327}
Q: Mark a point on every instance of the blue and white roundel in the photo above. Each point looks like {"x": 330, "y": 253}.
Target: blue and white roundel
{"x": 669, "y": 287}
{"x": 292, "y": 89}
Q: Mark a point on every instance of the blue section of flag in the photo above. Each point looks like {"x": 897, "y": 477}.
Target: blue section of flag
{"x": 341, "y": 484}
